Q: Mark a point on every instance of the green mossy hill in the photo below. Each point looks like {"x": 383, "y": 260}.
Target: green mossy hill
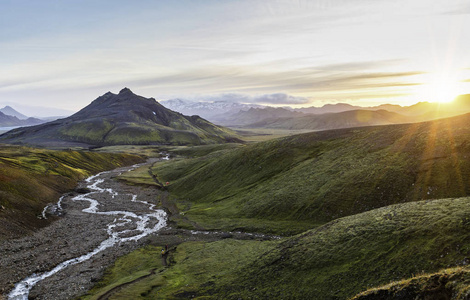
{"x": 345, "y": 256}
{"x": 195, "y": 268}
{"x": 310, "y": 179}
{"x": 198, "y": 151}
{"x": 335, "y": 261}
{"x": 128, "y": 268}
{"x": 451, "y": 283}
{"x": 123, "y": 119}
{"x": 31, "y": 178}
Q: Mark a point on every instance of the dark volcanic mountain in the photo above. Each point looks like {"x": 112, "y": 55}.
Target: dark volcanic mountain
{"x": 119, "y": 119}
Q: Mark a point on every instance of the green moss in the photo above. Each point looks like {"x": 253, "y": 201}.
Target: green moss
{"x": 32, "y": 178}
{"x": 141, "y": 131}
{"x": 453, "y": 283}
{"x": 318, "y": 177}
{"x": 137, "y": 264}
{"x": 197, "y": 267}
{"x": 198, "y": 151}
{"x": 351, "y": 254}
{"x": 334, "y": 261}
{"x": 87, "y": 131}
{"x": 139, "y": 176}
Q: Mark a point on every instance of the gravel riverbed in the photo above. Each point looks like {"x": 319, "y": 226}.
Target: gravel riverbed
{"x": 72, "y": 235}
{"x": 76, "y": 233}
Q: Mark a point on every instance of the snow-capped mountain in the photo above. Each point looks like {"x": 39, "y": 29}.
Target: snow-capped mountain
{"x": 212, "y": 111}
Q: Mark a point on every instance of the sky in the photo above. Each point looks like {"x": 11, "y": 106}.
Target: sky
{"x": 64, "y": 54}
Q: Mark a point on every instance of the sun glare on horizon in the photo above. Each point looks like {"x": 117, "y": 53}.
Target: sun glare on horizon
{"x": 440, "y": 88}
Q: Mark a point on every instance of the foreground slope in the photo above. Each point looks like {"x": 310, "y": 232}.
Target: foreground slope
{"x": 334, "y": 261}
{"x": 124, "y": 118}
{"x": 346, "y": 256}
{"x": 449, "y": 283}
{"x": 31, "y": 178}
{"x": 291, "y": 184}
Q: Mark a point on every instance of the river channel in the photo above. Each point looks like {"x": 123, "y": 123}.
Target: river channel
{"x": 66, "y": 258}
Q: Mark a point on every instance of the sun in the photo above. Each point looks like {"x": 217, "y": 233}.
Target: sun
{"x": 444, "y": 92}
{"x": 440, "y": 88}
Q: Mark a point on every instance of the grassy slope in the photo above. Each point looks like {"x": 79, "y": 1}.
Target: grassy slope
{"x": 31, "y": 178}
{"x": 139, "y": 176}
{"x": 346, "y": 255}
{"x": 351, "y": 254}
{"x": 108, "y": 133}
{"x": 196, "y": 268}
{"x": 452, "y": 283}
{"x": 334, "y": 261}
{"x": 294, "y": 183}
{"x": 198, "y": 151}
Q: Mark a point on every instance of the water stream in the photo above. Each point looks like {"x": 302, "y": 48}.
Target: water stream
{"x": 126, "y": 227}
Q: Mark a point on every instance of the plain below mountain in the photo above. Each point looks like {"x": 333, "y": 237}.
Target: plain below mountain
{"x": 124, "y": 118}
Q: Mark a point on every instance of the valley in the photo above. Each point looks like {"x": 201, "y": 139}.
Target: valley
{"x": 104, "y": 217}
{"x": 365, "y": 212}
{"x": 235, "y": 150}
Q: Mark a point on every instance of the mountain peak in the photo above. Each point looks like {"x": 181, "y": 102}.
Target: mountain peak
{"x": 125, "y": 119}
{"x": 125, "y": 91}
{"x": 8, "y": 110}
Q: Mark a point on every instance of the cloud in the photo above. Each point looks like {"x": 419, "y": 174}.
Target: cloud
{"x": 358, "y": 66}
{"x": 459, "y": 8}
{"x": 250, "y": 80}
{"x": 262, "y": 83}
{"x": 276, "y": 98}
{"x": 280, "y": 98}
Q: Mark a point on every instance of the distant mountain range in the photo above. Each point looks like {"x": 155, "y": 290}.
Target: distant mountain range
{"x": 332, "y": 116}
{"x": 130, "y": 119}
{"x": 461, "y": 104}
{"x": 213, "y": 111}
{"x": 8, "y": 110}
{"x": 10, "y": 117}
{"x": 123, "y": 118}
{"x": 345, "y": 119}
{"x": 253, "y": 115}
{"x": 40, "y": 112}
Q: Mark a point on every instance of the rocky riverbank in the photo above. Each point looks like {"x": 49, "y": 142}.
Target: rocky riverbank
{"x": 80, "y": 229}
{"x": 75, "y": 234}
